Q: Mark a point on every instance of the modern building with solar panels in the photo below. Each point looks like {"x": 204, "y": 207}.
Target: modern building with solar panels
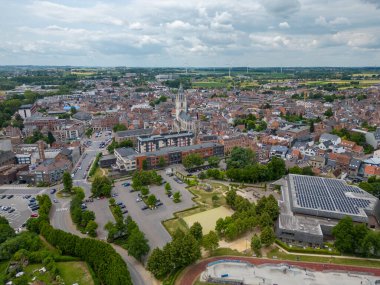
{"x": 312, "y": 206}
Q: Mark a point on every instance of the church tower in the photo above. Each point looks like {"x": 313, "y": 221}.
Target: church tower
{"x": 180, "y": 102}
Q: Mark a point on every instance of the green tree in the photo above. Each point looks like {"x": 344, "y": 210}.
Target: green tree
{"x": 344, "y": 235}
{"x": 119, "y": 127}
{"x": 214, "y": 161}
{"x": 265, "y": 220}
{"x": 137, "y": 244}
{"x": 295, "y": 170}
{"x": 311, "y": 128}
{"x": 151, "y": 201}
{"x": 210, "y": 241}
{"x": 267, "y": 236}
{"x": 196, "y": 231}
{"x": 276, "y": 168}
{"x": 168, "y": 188}
{"x": 159, "y": 262}
{"x": 177, "y": 197}
{"x": 241, "y": 157}
{"x": 193, "y": 159}
{"x": 91, "y": 228}
{"x": 101, "y": 186}
{"x": 145, "y": 164}
{"x": 6, "y": 231}
{"x": 161, "y": 162}
{"x": 329, "y": 113}
{"x": 89, "y": 132}
{"x": 67, "y": 182}
{"x": 50, "y": 138}
{"x": 144, "y": 190}
{"x": 256, "y": 245}
{"x": 73, "y": 110}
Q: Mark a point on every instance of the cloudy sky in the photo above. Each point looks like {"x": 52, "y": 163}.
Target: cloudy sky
{"x": 191, "y": 33}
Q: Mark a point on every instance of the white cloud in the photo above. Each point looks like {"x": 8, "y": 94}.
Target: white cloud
{"x": 322, "y": 21}
{"x": 284, "y": 25}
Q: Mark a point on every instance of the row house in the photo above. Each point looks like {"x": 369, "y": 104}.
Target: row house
{"x": 238, "y": 141}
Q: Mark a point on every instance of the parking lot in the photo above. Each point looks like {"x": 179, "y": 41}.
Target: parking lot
{"x": 21, "y": 211}
{"x": 149, "y": 220}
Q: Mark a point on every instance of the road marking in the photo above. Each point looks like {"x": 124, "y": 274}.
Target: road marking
{"x": 62, "y": 209}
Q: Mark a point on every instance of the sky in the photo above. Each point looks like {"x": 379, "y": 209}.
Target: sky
{"x": 195, "y": 33}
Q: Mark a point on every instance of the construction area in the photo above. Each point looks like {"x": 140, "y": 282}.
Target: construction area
{"x": 239, "y": 272}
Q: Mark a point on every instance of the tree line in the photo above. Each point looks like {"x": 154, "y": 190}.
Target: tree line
{"x": 106, "y": 263}
{"x": 247, "y": 216}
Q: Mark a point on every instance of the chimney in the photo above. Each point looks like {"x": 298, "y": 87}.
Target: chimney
{"x": 41, "y": 150}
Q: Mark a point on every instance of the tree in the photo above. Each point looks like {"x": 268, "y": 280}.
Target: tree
{"x": 213, "y": 161}
{"x": 89, "y": 132}
{"x": 295, "y": 170}
{"x": 344, "y": 235}
{"x": 193, "y": 159}
{"x": 276, "y": 168}
{"x": 144, "y": 190}
{"x": 241, "y": 157}
{"x": 101, "y": 186}
{"x": 159, "y": 262}
{"x": 168, "y": 188}
{"x": 329, "y": 113}
{"x": 6, "y": 231}
{"x": 91, "y": 228}
{"x": 161, "y": 162}
{"x": 50, "y": 138}
{"x": 151, "y": 201}
{"x": 177, "y": 197}
{"x": 311, "y": 128}
{"x": 256, "y": 244}
{"x": 210, "y": 241}
{"x": 196, "y": 231}
{"x": 67, "y": 182}
{"x": 145, "y": 164}
{"x": 265, "y": 220}
{"x": 73, "y": 110}
{"x": 119, "y": 127}
{"x": 137, "y": 244}
{"x": 267, "y": 236}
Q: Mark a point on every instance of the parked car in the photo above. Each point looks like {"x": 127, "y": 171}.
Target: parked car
{"x": 119, "y": 203}
{"x": 10, "y": 196}
{"x": 145, "y": 207}
{"x": 34, "y": 215}
{"x": 55, "y": 201}
{"x": 52, "y": 191}
{"x": 122, "y": 206}
{"x": 3, "y": 196}
{"x": 125, "y": 211}
{"x": 35, "y": 208}
{"x": 159, "y": 203}
{"x": 138, "y": 200}
{"x": 27, "y": 196}
{"x": 11, "y": 210}
{"x": 126, "y": 184}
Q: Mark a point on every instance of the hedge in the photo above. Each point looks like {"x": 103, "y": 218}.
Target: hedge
{"x": 306, "y": 250}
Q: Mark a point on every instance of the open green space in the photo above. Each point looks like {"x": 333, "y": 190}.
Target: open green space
{"x": 205, "y": 202}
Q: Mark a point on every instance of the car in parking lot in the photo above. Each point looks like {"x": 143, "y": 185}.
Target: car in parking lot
{"x": 5, "y": 208}
{"x": 52, "y": 191}
{"x": 34, "y": 215}
{"x": 122, "y": 206}
{"x": 115, "y": 195}
{"x": 126, "y": 184}
{"x": 119, "y": 203}
{"x": 138, "y": 199}
{"x": 3, "y": 196}
{"x": 27, "y": 196}
{"x": 10, "y": 196}
{"x": 11, "y": 210}
{"x": 125, "y": 212}
{"x": 55, "y": 201}
{"x": 159, "y": 203}
{"x": 145, "y": 207}
{"x": 35, "y": 208}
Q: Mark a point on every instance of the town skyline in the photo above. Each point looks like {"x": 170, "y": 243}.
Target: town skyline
{"x": 297, "y": 33}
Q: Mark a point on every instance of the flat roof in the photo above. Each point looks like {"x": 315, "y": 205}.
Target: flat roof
{"x": 326, "y": 195}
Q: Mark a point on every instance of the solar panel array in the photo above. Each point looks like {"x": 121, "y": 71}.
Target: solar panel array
{"x": 327, "y": 194}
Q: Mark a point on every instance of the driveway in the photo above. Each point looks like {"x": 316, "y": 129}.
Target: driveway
{"x": 148, "y": 220}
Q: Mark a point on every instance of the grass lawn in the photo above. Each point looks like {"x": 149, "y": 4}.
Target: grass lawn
{"x": 99, "y": 172}
{"x": 71, "y": 272}
{"x": 208, "y": 218}
{"x": 321, "y": 259}
{"x": 203, "y": 199}
{"x": 75, "y": 272}
{"x": 209, "y": 84}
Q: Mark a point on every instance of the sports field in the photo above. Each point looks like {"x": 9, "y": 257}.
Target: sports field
{"x": 208, "y": 218}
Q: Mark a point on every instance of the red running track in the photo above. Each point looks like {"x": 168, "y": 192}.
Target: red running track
{"x": 192, "y": 273}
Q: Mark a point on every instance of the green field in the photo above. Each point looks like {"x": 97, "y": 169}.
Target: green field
{"x": 208, "y": 218}
{"x": 209, "y": 84}
{"x": 204, "y": 202}
{"x": 71, "y": 273}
